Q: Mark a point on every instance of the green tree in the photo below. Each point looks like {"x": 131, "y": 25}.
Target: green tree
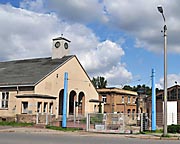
{"x": 94, "y": 82}
{"x": 141, "y": 89}
{"x": 99, "y": 82}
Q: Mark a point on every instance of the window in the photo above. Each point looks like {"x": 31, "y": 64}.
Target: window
{"x": 133, "y": 114}
{"x": 4, "y": 99}
{"x": 39, "y": 107}
{"x": 129, "y": 99}
{"x": 24, "y": 107}
{"x": 122, "y": 99}
{"x": 179, "y": 94}
{"x": 128, "y": 111}
{"x": 51, "y": 108}
{"x": 172, "y": 95}
{"x": 134, "y": 100}
{"x": 104, "y": 98}
{"x": 45, "y": 107}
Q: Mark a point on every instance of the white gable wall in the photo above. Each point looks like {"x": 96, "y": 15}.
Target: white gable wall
{"x": 77, "y": 81}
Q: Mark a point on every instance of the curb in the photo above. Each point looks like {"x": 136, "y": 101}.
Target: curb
{"x": 153, "y": 137}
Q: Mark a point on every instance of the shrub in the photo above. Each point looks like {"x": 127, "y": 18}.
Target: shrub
{"x": 173, "y": 128}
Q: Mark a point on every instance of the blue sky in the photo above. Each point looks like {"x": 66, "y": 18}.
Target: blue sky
{"x": 120, "y": 39}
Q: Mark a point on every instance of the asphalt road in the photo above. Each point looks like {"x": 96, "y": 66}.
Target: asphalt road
{"x": 39, "y": 138}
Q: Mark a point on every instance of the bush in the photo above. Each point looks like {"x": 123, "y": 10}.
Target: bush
{"x": 173, "y": 129}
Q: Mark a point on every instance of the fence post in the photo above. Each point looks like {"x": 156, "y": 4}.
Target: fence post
{"x": 87, "y": 122}
{"x": 141, "y": 117}
{"x": 37, "y": 118}
{"x": 46, "y": 119}
{"x": 105, "y": 122}
{"x": 50, "y": 119}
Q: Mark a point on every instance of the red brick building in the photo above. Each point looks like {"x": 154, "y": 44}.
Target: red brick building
{"x": 118, "y": 100}
{"x": 173, "y": 95}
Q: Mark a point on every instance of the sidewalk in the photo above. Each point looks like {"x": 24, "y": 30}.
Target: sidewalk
{"x": 155, "y": 136}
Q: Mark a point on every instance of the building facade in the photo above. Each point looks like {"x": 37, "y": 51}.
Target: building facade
{"x": 118, "y": 100}
{"x": 32, "y": 86}
{"x": 173, "y": 106}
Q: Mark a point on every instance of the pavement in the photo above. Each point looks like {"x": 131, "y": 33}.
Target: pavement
{"x": 155, "y": 136}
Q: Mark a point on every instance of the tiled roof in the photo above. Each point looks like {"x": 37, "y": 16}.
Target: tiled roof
{"x": 116, "y": 90}
{"x": 28, "y": 71}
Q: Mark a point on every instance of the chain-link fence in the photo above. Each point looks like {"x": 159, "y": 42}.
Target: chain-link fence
{"x": 117, "y": 123}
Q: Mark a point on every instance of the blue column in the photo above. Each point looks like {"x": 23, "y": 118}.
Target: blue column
{"x": 65, "y": 99}
{"x": 153, "y": 102}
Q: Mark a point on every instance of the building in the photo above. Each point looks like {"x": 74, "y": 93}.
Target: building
{"x": 36, "y": 86}
{"x": 118, "y": 100}
{"x": 173, "y": 106}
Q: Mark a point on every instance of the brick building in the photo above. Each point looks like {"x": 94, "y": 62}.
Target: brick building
{"x": 173, "y": 106}
{"x": 118, "y": 100}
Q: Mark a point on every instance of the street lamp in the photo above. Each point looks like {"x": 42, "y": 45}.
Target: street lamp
{"x": 160, "y": 9}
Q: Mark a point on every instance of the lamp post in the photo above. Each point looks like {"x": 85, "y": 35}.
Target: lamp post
{"x": 160, "y": 9}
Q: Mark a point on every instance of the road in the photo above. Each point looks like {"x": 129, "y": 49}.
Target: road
{"x": 39, "y": 138}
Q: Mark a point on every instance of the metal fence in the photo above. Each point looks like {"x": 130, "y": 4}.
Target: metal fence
{"x": 71, "y": 121}
{"x": 110, "y": 122}
{"x": 117, "y": 123}
{"x": 45, "y": 118}
{"x": 172, "y": 118}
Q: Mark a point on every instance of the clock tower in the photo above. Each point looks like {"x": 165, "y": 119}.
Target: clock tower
{"x": 60, "y": 47}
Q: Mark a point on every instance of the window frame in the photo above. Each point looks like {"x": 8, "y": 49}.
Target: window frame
{"x": 104, "y": 98}
{"x": 129, "y": 100}
{"x": 122, "y": 101}
{"x": 4, "y": 100}
{"x": 24, "y": 109}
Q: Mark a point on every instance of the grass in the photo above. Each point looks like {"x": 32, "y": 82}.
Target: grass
{"x": 63, "y": 129}
{"x": 149, "y": 132}
{"x": 5, "y": 123}
{"x": 167, "y": 136}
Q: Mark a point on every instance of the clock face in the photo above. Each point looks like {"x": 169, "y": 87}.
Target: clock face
{"x": 57, "y": 44}
{"x": 66, "y": 45}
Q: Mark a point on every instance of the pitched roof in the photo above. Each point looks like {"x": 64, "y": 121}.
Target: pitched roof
{"x": 117, "y": 90}
{"x": 61, "y": 38}
{"x": 28, "y": 71}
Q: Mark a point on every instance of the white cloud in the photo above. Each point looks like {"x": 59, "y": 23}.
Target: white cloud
{"x": 28, "y": 34}
{"x": 171, "y": 79}
{"x": 104, "y": 60}
{"x": 142, "y": 20}
{"x": 103, "y": 56}
{"x": 78, "y": 11}
{"x": 35, "y": 5}
{"x": 137, "y": 18}
{"x": 23, "y": 32}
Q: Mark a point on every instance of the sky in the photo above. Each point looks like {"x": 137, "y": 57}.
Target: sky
{"x": 120, "y": 40}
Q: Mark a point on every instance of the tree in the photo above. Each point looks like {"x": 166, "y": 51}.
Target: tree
{"x": 141, "y": 89}
{"x": 99, "y": 82}
{"x": 94, "y": 82}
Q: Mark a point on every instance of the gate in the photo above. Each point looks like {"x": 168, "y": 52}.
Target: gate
{"x": 116, "y": 123}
